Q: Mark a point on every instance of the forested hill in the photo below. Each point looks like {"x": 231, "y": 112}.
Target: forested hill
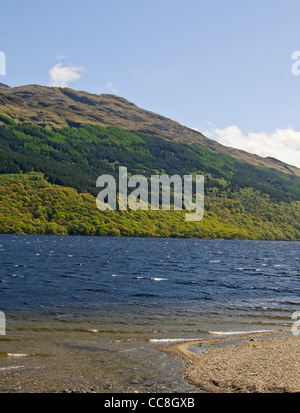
{"x": 75, "y": 157}
{"x": 49, "y": 172}
{"x": 55, "y": 108}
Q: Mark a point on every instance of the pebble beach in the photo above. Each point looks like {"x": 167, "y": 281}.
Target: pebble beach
{"x": 257, "y": 364}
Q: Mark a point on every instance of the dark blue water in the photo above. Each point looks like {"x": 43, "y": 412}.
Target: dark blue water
{"x": 88, "y": 312}
{"x": 156, "y": 287}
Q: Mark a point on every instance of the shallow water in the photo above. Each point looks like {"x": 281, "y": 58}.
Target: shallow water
{"x": 89, "y": 311}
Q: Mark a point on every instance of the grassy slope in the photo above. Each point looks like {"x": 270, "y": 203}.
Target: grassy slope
{"x": 30, "y": 204}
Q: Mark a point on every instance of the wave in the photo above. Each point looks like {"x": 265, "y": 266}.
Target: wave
{"x": 151, "y": 278}
{"x": 170, "y": 340}
{"x": 221, "y": 333}
{"x": 234, "y": 333}
{"x": 17, "y": 354}
{"x": 159, "y": 279}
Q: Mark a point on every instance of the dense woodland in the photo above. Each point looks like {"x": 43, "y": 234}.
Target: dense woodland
{"x": 48, "y": 186}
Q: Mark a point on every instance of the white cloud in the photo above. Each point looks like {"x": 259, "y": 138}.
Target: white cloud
{"x": 61, "y": 75}
{"x": 112, "y": 87}
{"x": 283, "y": 144}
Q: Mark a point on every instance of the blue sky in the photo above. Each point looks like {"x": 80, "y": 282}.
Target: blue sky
{"x": 222, "y": 67}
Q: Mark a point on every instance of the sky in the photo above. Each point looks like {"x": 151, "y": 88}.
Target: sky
{"x": 229, "y": 69}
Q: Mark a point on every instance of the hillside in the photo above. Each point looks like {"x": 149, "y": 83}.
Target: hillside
{"x": 50, "y": 161}
{"x": 75, "y": 157}
{"x": 59, "y": 107}
{"x": 31, "y": 205}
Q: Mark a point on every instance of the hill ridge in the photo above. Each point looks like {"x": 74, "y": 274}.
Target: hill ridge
{"x": 54, "y": 107}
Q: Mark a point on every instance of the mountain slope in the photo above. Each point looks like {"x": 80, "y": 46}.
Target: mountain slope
{"x": 60, "y": 107}
{"x": 76, "y": 157}
{"x": 48, "y": 171}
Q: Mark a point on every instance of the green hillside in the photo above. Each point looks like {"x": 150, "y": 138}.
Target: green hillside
{"x": 75, "y": 157}
{"x": 55, "y": 108}
{"x": 48, "y": 186}
{"x": 55, "y": 142}
{"x": 31, "y": 205}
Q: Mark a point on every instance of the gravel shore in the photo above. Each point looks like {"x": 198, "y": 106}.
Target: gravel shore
{"x": 257, "y": 364}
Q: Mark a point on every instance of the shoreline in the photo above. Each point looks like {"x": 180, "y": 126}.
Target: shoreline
{"x": 180, "y": 237}
{"x": 262, "y": 362}
{"x": 257, "y": 364}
